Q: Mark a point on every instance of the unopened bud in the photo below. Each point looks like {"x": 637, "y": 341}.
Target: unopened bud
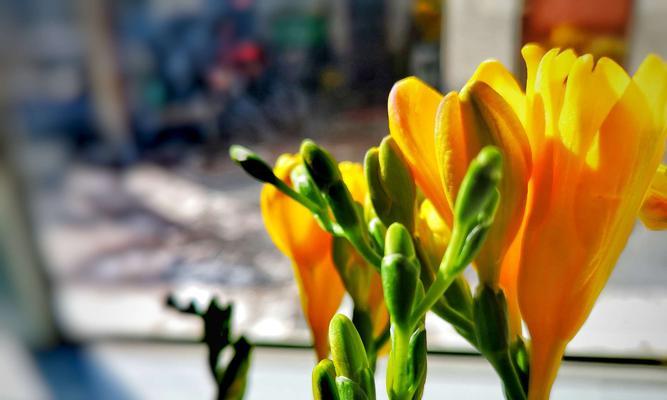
{"x": 399, "y": 241}
{"x": 324, "y": 381}
{"x": 478, "y": 196}
{"x": 490, "y": 315}
{"x": 252, "y": 164}
{"x": 347, "y": 349}
{"x": 390, "y": 184}
{"x": 321, "y": 166}
{"x": 399, "y": 281}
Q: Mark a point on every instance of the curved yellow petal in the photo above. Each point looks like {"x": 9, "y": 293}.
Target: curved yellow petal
{"x": 297, "y": 235}
{"x": 412, "y": 107}
{"x": 654, "y": 208}
{"x": 651, "y": 77}
{"x": 454, "y": 147}
{"x": 353, "y": 176}
{"x": 465, "y": 123}
{"x": 494, "y": 73}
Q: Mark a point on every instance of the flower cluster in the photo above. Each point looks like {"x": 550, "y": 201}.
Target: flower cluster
{"x": 539, "y": 189}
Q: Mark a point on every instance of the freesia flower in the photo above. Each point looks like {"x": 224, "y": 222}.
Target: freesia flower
{"x": 439, "y": 136}
{"x": 296, "y": 234}
{"x": 582, "y": 146}
{"x": 597, "y": 137}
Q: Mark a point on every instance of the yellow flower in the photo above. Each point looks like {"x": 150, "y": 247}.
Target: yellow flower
{"x": 297, "y": 235}
{"x": 439, "y": 136}
{"x": 597, "y": 137}
{"x": 582, "y": 145}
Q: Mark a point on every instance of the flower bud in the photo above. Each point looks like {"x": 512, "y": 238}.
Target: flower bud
{"x": 490, "y": 315}
{"x": 378, "y": 232}
{"x": 324, "y": 381}
{"x": 399, "y": 241}
{"x": 252, "y": 164}
{"x": 417, "y": 362}
{"x": 367, "y": 383}
{"x": 347, "y": 349}
{"x": 321, "y": 166}
{"x": 391, "y": 187}
{"x": 343, "y": 206}
{"x": 399, "y": 281}
{"x": 478, "y": 232}
{"x": 349, "y": 389}
{"x": 304, "y": 185}
{"x": 478, "y": 196}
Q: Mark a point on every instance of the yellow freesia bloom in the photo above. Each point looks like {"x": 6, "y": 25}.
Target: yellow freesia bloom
{"x": 597, "y": 137}
{"x": 439, "y": 152}
{"x": 296, "y": 234}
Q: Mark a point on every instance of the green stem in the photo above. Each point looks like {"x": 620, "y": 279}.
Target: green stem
{"x": 463, "y": 325}
{"x": 443, "y": 278}
{"x": 298, "y": 197}
{"x": 451, "y": 314}
{"x": 504, "y": 366}
{"x": 401, "y": 385}
{"x": 364, "y": 248}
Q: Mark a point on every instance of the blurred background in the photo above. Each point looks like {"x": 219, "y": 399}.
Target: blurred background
{"x": 116, "y": 189}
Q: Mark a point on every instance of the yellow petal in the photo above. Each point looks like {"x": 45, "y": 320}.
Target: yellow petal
{"x": 550, "y": 86}
{"x": 651, "y": 77}
{"x": 491, "y": 120}
{"x": 454, "y": 147}
{"x": 493, "y": 73}
{"x": 297, "y": 235}
{"x": 532, "y": 55}
{"x": 589, "y": 96}
{"x": 654, "y": 208}
{"x": 353, "y": 176}
{"x": 412, "y": 108}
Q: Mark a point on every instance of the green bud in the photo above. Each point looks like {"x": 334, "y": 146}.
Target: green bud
{"x": 417, "y": 362}
{"x": 321, "y": 166}
{"x": 343, "y": 206}
{"x": 477, "y": 199}
{"x": 367, "y": 382}
{"x": 477, "y": 234}
{"x": 378, "y": 232}
{"x": 324, "y": 381}
{"x": 347, "y": 349}
{"x": 390, "y": 184}
{"x": 304, "y": 185}
{"x": 349, "y": 389}
{"x": 252, "y": 164}
{"x": 399, "y": 281}
{"x": 490, "y": 316}
{"x": 399, "y": 241}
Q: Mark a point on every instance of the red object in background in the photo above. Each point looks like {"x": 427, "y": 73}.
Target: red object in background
{"x": 598, "y": 27}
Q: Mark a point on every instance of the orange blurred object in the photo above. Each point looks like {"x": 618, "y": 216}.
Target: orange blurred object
{"x": 597, "y": 27}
